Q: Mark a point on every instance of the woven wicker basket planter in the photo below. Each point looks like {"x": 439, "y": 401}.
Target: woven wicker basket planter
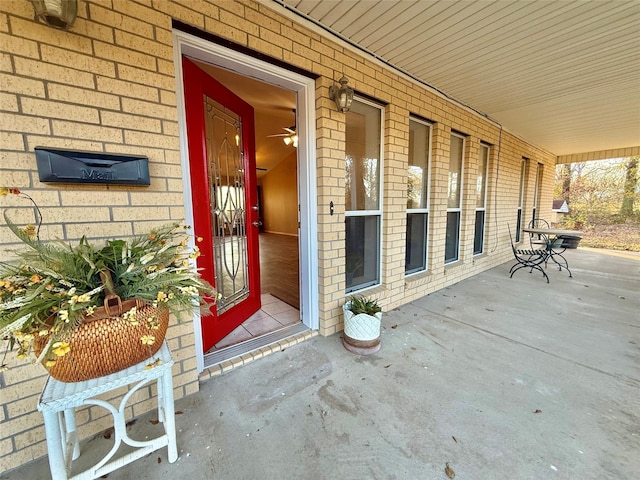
{"x": 106, "y": 343}
{"x": 361, "y": 332}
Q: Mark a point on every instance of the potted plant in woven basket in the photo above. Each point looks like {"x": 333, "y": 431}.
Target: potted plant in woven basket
{"x": 85, "y": 311}
{"x": 362, "y": 321}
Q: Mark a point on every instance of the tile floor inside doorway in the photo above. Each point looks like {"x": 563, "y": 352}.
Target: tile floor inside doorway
{"x": 274, "y": 315}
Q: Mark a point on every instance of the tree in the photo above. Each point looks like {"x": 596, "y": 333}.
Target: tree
{"x": 630, "y": 187}
{"x": 603, "y": 195}
{"x": 562, "y": 186}
{"x": 594, "y": 190}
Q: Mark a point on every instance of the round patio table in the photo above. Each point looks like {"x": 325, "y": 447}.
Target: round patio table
{"x": 557, "y": 241}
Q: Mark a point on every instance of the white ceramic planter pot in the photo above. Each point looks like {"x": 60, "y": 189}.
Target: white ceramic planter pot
{"x": 361, "y": 332}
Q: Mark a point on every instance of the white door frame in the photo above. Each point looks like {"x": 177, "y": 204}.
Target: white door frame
{"x": 304, "y": 88}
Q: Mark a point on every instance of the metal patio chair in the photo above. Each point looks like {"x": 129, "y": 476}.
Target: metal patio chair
{"x": 531, "y": 258}
{"x": 537, "y": 238}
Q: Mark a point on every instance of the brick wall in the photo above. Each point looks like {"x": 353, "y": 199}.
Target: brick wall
{"x": 108, "y": 85}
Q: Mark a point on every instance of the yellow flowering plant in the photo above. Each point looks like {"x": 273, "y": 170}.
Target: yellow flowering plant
{"x": 52, "y": 287}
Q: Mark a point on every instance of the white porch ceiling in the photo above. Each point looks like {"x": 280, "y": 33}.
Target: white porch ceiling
{"x": 564, "y": 75}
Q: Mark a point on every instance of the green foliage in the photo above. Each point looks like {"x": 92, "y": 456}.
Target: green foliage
{"x": 599, "y": 189}
{"x": 603, "y": 198}
{"x": 574, "y": 220}
{"x": 54, "y": 286}
{"x": 362, "y": 304}
{"x": 630, "y": 187}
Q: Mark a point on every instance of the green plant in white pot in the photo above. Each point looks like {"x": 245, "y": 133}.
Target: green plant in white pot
{"x": 362, "y": 321}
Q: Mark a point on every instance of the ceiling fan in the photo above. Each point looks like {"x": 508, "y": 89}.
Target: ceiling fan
{"x": 290, "y": 137}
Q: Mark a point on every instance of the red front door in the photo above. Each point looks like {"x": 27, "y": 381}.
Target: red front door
{"x": 220, "y": 131}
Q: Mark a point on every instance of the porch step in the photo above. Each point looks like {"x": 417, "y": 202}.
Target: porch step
{"x": 255, "y": 347}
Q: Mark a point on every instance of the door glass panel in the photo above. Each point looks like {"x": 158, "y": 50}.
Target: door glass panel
{"x": 227, "y": 193}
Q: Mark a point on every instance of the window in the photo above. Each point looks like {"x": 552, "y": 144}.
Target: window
{"x": 481, "y": 199}
{"x": 363, "y": 187}
{"x": 523, "y": 169}
{"x": 418, "y": 197}
{"x": 537, "y": 190}
{"x": 454, "y": 198}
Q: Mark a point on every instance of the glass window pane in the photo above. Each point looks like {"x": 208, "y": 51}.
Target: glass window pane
{"x": 522, "y": 172}
{"x": 481, "y": 180}
{"x": 453, "y": 229}
{"x": 455, "y": 172}
{"x": 416, "y": 249}
{"x": 363, "y": 255}
{"x": 518, "y": 225}
{"x": 537, "y": 193}
{"x": 418, "y": 175}
{"x": 362, "y": 181}
{"x": 523, "y": 169}
{"x": 478, "y": 239}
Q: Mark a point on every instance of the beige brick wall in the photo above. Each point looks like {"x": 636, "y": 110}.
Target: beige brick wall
{"x": 108, "y": 85}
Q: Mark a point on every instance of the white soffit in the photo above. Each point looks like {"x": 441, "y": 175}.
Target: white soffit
{"x": 564, "y": 75}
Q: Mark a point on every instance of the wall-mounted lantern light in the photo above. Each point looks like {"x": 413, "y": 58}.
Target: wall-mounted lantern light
{"x": 342, "y": 95}
{"x": 57, "y": 13}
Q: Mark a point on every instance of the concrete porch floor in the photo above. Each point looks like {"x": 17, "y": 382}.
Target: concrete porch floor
{"x": 459, "y": 379}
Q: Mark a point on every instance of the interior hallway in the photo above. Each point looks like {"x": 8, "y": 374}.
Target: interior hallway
{"x": 279, "y": 267}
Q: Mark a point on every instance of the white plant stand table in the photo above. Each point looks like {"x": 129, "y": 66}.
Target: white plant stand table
{"x": 59, "y": 400}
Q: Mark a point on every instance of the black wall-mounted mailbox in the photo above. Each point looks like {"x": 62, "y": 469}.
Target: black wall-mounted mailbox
{"x": 71, "y": 166}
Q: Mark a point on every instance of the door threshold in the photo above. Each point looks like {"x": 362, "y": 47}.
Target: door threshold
{"x": 223, "y": 360}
